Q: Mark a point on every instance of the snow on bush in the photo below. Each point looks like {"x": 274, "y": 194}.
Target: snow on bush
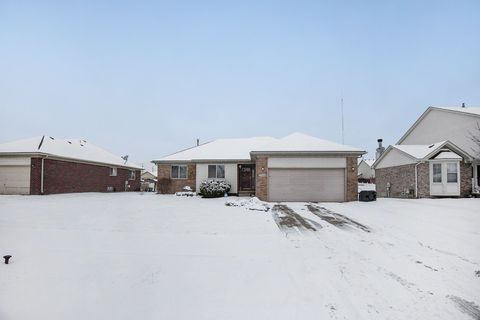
{"x": 249, "y": 203}
{"x": 187, "y": 192}
{"x": 214, "y": 188}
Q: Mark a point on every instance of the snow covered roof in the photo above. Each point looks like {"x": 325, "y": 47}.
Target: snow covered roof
{"x": 221, "y": 149}
{"x": 240, "y": 149}
{"x": 471, "y": 110}
{"x": 74, "y": 149}
{"x": 369, "y": 162}
{"x": 299, "y": 142}
{"x": 419, "y": 151}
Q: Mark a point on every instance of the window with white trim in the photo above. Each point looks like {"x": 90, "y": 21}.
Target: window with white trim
{"x": 131, "y": 175}
{"x": 437, "y": 172}
{"x": 452, "y": 173}
{"x": 216, "y": 171}
{"x": 113, "y": 172}
{"x": 179, "y": 172}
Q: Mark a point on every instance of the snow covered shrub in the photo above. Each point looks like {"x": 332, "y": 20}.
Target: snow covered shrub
{"x": 214, "y": 188}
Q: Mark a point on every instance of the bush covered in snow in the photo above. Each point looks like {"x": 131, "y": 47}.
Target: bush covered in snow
{"x": 214, "y": 188}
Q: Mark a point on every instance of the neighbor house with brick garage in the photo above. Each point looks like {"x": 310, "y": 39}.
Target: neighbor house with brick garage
{"x": 47, "y": 165}
{"x": 297, "y": 167}
{"x": 436, "y": 157}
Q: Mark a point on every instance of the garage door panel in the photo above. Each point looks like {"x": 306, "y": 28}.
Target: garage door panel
{"x": 14, "y": 179}
{"x": 306, "y": 185}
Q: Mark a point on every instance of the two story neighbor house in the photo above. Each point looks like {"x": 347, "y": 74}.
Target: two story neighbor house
{"x": 48, "y": 165}
{"x": 297, "y": 167}
{"x": 435, "y": 157}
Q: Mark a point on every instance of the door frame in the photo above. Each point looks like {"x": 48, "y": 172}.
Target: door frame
{"x": 253, "y": 183}
{"x": 444, "y": 183}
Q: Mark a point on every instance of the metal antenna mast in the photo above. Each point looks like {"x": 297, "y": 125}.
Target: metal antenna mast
{"x": 343, "y": 127}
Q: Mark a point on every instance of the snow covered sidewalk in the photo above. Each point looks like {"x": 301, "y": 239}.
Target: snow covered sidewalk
{"x": 134, "y": 256}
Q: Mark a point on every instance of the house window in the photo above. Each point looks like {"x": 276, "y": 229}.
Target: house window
{"x": 452, "y": 172}
{"x": 437, "y": 173}
{"x": 179, "y": 172}
{"x": 216, "y": 171}
{"x": 131, "y": 175}
{"x": 113, "y": 172}
{"x": 478, "y": 175}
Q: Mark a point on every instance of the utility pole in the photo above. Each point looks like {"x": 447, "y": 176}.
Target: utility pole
{"x": 343, "y": 127}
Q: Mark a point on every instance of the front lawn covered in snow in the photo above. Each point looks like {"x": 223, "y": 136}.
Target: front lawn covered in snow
{"x": 148, "y": 256}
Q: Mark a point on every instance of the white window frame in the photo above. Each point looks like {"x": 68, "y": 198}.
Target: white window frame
{"x": 131, "y": 175}
{"x": 441, "y": 172}
{"x": 216, "y": 171}
{"x": 178, "y": 171}
{"x": 112, "y": 172}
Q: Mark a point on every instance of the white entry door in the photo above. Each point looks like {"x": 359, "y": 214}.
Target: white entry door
{"x": 444, "y": 178}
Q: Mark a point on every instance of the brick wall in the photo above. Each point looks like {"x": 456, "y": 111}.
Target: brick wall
{"x": 66, "y": 177}
{"x": 167, "y": 185}
{"x": 352, "y": 179}
{"x": 261, "y": 180}
{"x": 466, "y": 175}
{"x": 403, "y": 177}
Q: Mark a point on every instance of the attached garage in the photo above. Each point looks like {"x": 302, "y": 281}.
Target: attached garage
{"x": 15, "y": 175}
{"x": 306, "y": 185}
{"x": 311, "y": 178}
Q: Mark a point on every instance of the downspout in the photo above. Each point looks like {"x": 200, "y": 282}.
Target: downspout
{"x": 41, "y": 178}
{"x": 416, "y": 179}
{"x": 42, "y": 175}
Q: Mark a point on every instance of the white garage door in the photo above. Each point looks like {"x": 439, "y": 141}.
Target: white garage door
{"x": 14, "y": 179}
{"x": 306, "y": 184}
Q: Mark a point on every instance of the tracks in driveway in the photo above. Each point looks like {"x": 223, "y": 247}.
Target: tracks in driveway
{"x": 289, "y": 221}
{"x": 334, "y": 218}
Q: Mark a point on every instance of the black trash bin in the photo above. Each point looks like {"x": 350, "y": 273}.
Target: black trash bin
{"x": 367, "y": 195}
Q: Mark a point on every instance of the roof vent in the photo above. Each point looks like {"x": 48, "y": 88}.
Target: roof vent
{"x": 52, "y": 138}
{"x": 463, "y": 105}
{"x": 70, "y": 142}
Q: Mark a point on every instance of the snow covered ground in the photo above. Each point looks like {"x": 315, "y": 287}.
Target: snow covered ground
{"x": 134, "y": 256}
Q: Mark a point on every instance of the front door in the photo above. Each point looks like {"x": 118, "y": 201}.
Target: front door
{"x": 246, "y": 177}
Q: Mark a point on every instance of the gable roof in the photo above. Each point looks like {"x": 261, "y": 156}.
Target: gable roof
{"x": 73, "y": 149}
{"x": 472, "y": 111}
{"x": 424, "y": 152}
{"x": 368, "y": 162}
{"x": 299, "y": 142}
{"x": 241, "y": 149}
{"x": 221, "y": 149}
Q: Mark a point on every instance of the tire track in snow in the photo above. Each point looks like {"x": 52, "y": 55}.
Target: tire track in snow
{"x": 467, "y": 307}
{"x": 334, "y": 218}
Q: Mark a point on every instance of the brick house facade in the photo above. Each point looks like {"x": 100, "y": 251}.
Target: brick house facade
{"x": 402, "y": 180}
{"x": 61, "y": 176}
{"x": 167, "y": 185}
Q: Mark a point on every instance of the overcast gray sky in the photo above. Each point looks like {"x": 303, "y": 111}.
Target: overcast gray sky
{"x": 148, "y": 78}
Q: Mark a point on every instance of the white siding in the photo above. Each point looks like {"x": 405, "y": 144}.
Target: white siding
{"x": 307, "y": 162}
{"x": 365, "y": 171}
{"x": 230, "y": 174}
{"x": 394, "y": 158}
{"x": 14, "y": 161}
{"x": 441, "y": 125}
